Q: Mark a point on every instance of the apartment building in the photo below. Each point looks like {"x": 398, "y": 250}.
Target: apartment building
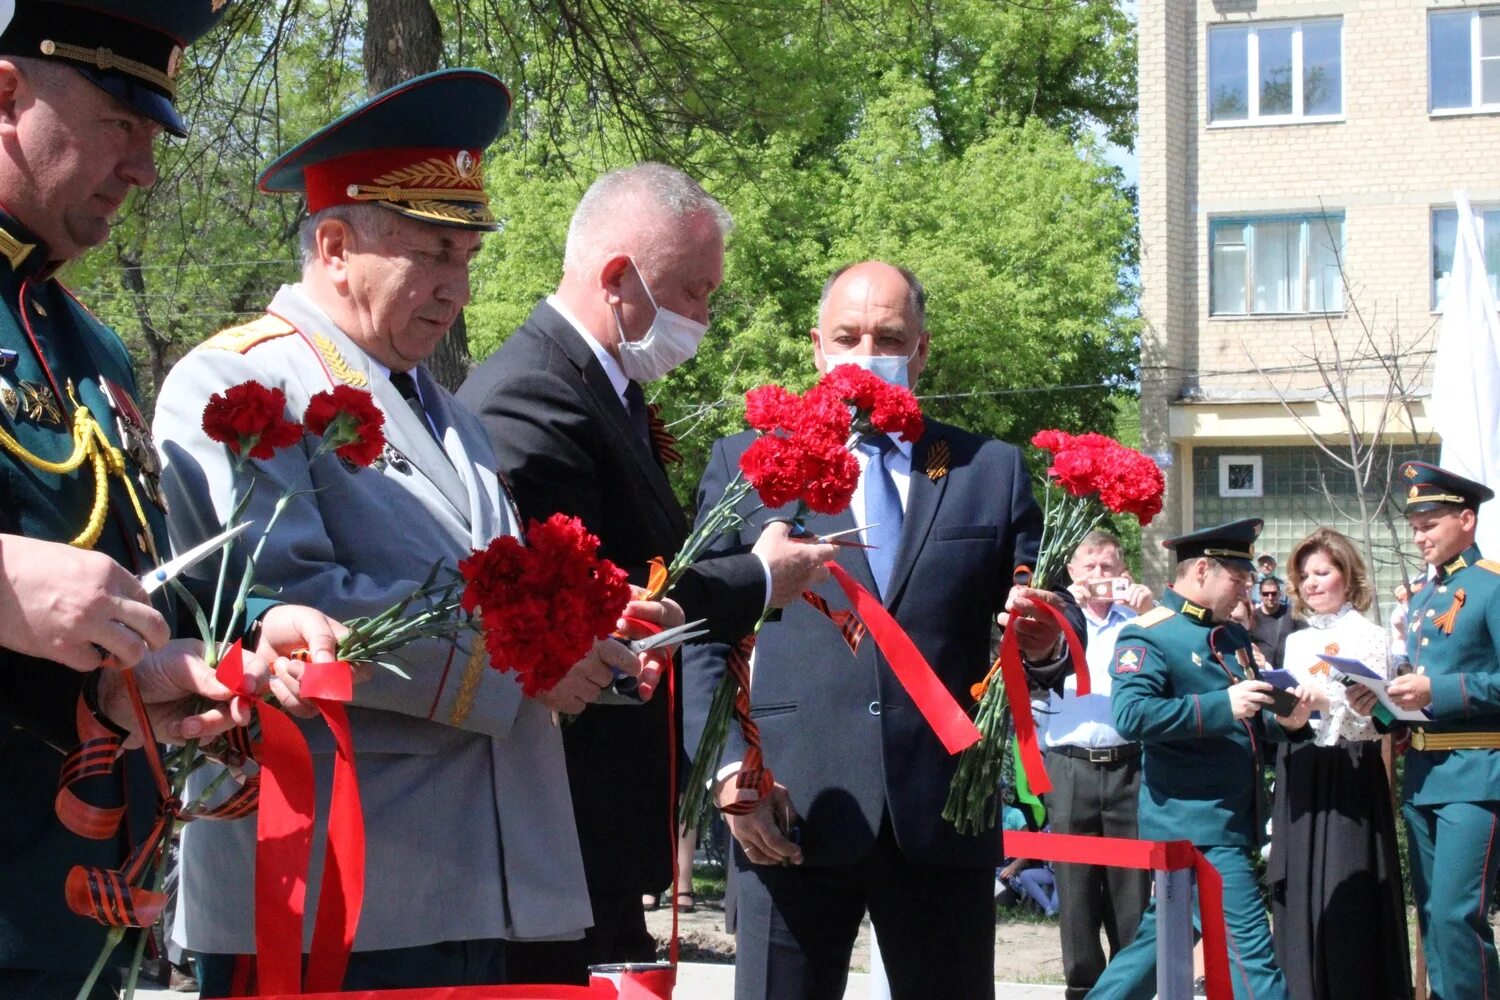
{"x": 1298, "y": 160}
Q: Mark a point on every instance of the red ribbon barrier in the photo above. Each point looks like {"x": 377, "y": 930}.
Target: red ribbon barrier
{"x": 1018, "y": 694}
{"x": 1148, "y": 855}
{"x": 283, "y": 836}
{"x": 647, "y": 984}
{"x": 951, "y": 723}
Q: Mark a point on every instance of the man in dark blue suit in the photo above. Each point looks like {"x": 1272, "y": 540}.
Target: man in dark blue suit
{"x": 860, "y": 776}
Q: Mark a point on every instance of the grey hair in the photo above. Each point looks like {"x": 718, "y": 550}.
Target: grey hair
{"x": 916, "y": 294}
{"x": 1098, "y": 539}
{"x": 634, "y": 204}
{"x": 367, "y": 221}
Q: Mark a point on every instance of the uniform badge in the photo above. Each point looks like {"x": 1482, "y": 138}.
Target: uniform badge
{"x": 390, "y": 456}
{"x": 38, "y": 403}
{"x": 1128, "y": 659}
{"x": 10, "y": 400}
{"x": 7, "y": 358}
{"x": 135, "y": 440}
{"x": 1197, "y": 660}
{"x": 1410, "y": 472}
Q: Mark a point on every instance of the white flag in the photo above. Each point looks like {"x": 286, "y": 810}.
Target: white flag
{"x": 1466, "y": 377}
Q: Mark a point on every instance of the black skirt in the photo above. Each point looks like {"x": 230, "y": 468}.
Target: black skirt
{"x": 1337, "y": 908}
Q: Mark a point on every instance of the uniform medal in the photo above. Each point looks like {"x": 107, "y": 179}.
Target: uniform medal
{"x": 10, "y": 400}
{"x": 38, "y": 403}
{"x": 135, "y": 440}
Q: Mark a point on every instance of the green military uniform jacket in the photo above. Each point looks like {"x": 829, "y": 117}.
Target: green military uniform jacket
{"x": 1201, "y": 770}
{"x": 1453, "y": 636}
{"x": 49, "y": 331}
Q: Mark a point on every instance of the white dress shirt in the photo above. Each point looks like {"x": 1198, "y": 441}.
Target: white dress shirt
{"x": 1087, "y": 721}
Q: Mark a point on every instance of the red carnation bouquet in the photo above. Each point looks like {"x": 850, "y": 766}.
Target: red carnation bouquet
{"x": 1091, "y": 477}
{"x": 543, "y": 604}
{"x": 804, "y": 456}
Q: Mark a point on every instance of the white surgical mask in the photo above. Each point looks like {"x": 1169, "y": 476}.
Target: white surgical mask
{"x": 671, "y": 339}
{"x": 890, "y": 368}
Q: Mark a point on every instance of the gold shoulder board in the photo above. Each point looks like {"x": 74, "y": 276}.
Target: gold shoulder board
{"x": 1155, "y": 616}
{"x": 240, "y": 339}
{"x": 1489, "y": 564}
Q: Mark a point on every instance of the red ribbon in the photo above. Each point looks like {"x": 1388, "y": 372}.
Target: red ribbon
{"x": 650, "y": 984}
{"x": 951, "y": 723}
{"x": 1149, "y": 855}
{"x": 1018, "y": 694}
{"x": 284, "y": 837}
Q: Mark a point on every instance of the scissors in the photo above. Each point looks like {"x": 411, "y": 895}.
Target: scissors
{"x": 801, "y": 533}
{"x": 624, "y": 689}
{"x": 154, "y": 580}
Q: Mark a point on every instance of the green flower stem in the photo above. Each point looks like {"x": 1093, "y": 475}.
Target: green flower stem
{"x": 971, "y": 805}
{"x": 696, "y": 801}
{"x": 112, "y": 939}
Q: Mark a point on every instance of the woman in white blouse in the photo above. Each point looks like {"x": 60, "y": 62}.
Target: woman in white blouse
{"x": 1337, "y": 907}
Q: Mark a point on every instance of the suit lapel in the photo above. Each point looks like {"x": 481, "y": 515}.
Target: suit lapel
{"x": 621, "y": 435}
{"x": 923, "y": 494}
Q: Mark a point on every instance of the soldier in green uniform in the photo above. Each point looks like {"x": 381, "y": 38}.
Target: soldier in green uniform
{"x": 85, "y": 89}
{"x": 1452, "y": 782}
{"x": 1185, "y": 686}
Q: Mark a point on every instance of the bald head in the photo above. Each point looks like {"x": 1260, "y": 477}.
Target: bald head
{"x": 872, "y": 308}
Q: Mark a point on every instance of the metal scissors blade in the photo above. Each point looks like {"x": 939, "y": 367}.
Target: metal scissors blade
{"x": 668, "y": 636}
{"x": 172, "y": 568}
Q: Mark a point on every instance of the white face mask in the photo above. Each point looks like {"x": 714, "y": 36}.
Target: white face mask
{"x": 890, "y": 368}
{"x": 671, "y": 339}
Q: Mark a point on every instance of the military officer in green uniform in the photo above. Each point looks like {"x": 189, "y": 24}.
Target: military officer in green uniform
{"x": 86, "y": 87}
{"x": 1452, "y": 782}
{"x": 1185, "y": 686}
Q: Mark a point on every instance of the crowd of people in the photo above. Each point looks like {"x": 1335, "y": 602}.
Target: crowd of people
{"x": 504, "y": 848}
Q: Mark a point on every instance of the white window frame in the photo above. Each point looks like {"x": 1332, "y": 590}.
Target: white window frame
{"x": 1252, "y": 75}
{"x": 1482, "y": 211}
{"x": 1257, "y": 476}
{"x": 1307, "y": 221}
{"x": 1476, "y": 61}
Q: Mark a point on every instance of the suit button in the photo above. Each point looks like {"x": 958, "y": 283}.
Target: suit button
{"x": 1442, "y": 590}
{"x": 1424, "y": 640}
{"x": 874, "y": 708}
{"x": 1430, "y": 612}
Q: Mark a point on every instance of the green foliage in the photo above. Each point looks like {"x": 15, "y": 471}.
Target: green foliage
{"x": 955, "y": 138}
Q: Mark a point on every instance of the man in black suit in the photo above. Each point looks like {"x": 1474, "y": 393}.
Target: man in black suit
{"x": 563, "y": 405}
{"x": 852, "y": 756}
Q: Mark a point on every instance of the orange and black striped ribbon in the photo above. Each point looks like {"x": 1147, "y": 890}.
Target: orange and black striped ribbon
{"x": 663, "y": 440}
{"x": 1445, "y": 621}
{"x": 753, "y": 771}
{"x": 849, "y": 625}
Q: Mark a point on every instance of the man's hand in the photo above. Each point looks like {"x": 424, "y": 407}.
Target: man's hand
{"x": 1038, "y": 635}
{"x": 795, "y": 565}
{"x": 1297, "y": 717}
{"x": 58, "y": 603}
{"x": 665, "y": 613}
{"x": 171, "y": 681}
{"x": 581, "y": 685}
{"x": 1248, "y": 697}
{"x": 1139, "y": 598}
{"x": 1410, "y": 691}
{"x": 762, "y": 831}
{"x": 292, "y": 628}
{"x": 1361, "y": 699}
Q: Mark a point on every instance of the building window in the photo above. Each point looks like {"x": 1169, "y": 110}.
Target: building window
{"x": 1445, "y": 234}
{"x": 1463, "y": 60}
{"x": 1282, "y": 264}
{"x": 1240, "y": 476}
{"x": 1276, "y": 72}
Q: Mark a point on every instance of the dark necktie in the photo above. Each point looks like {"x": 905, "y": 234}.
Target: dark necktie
{"x": 883, "y": 512}
{"x": 635, "y": 408}
{"x": 407, "y": 386}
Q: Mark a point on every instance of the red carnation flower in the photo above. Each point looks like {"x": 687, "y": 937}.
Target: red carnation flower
{"x": 544, "y": 604}
{"x": 349, "y": 422}
{"x": 772, "y": 466}
{"x": 854, "y": 385}
{"x": 769, "y": 407}
{"x": 250, "y": 417}
{"x": 831, "y": 472}
{"x": 1051, "y": 440}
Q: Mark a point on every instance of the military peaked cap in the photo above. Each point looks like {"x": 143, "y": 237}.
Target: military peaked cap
{"x": 1428, "y": 487}
{"x": 1232, "y": 543}
{"x": 132, "y": 50}
{"x": 414, "y": 149}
